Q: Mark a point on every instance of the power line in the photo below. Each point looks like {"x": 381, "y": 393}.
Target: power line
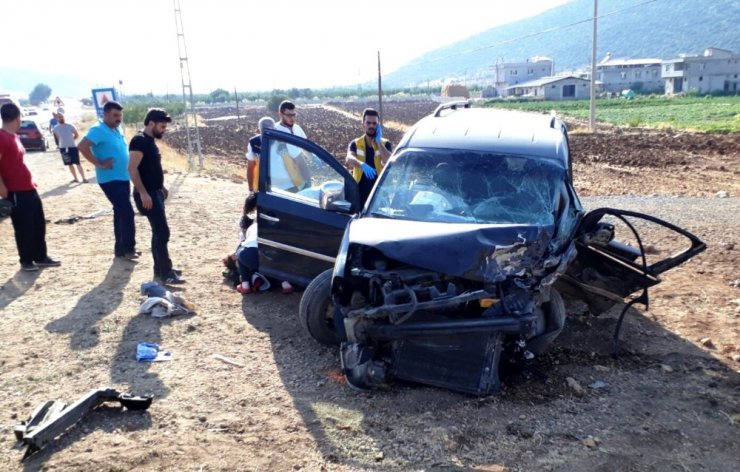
{"x": 537, "y": 33}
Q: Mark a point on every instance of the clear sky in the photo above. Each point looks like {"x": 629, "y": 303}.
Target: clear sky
{"x": 244, "y": 43}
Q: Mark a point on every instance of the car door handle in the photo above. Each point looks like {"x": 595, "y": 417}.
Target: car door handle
{"x": 269, "y": 218}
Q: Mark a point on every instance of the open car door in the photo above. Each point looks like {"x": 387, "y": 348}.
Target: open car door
{"x": 305, "y": 201}
{"x": 606, "y": 271}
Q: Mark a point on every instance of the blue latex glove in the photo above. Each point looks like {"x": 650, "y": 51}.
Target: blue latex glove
{"x": 146, "y": 352}
{"x": 370, "y": 173}
{"x": 379, "y": 134}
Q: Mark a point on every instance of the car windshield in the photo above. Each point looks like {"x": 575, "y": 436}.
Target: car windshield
{"x": 25, "y": 124}
{"x": 469, "y": 187}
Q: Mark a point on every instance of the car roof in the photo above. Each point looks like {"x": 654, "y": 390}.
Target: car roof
{"x": 490, "y": 130}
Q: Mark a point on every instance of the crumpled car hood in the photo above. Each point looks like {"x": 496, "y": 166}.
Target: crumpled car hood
{"x": 487, "y": 253}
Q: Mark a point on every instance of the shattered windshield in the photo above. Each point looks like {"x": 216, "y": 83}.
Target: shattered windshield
{"x": 469, "y": 187}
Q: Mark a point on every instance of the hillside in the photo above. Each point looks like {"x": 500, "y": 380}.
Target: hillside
{"x": 661, "y": 29}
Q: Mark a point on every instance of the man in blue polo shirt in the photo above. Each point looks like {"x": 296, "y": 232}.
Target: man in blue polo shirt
{"x": 105, "y": 147}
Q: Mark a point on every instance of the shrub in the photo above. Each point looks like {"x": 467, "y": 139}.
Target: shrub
{"x": 134, "y": 113}
{"x": 274, "y": 102}
{"x": 634, "y": 121}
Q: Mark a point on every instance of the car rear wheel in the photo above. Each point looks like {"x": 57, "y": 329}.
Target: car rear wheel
{"x": 316, "y": 311}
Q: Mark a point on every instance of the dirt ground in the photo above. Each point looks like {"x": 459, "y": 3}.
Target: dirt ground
{"x": 669, "y": 402}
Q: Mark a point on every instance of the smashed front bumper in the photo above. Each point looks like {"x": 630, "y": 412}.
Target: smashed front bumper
{"x": 461, "y": 355}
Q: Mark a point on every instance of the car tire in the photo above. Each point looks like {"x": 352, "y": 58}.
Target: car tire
{"x": 316, "y": 311}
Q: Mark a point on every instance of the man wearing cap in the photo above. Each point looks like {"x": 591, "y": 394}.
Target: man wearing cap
{"x": 65, "y": 134}
{"x": 253, "y": 153}
{"x": 145, "y": 168}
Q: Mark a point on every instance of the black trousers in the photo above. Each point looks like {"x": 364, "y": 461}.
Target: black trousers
{"x": 160, "y": 232}
{"x": 29, "y": 225}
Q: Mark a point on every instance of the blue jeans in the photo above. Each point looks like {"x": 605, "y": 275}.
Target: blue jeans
{"x": 124, "y": 228}
{"x": 160, "y": 232}
{"x": 247, "y": 261}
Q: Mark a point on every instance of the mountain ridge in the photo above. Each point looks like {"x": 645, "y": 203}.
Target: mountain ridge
{"x": 627, "y": 28}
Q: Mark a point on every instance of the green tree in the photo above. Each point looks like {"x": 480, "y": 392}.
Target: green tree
{"x": 273, "y": 103}
{"x": 220, "y": 96}
{"x": 40, "y": 93}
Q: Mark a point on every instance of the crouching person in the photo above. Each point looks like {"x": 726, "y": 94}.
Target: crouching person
{"x": 247, "y": 256}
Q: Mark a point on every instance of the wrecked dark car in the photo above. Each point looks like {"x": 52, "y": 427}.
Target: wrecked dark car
{"x": 462, "y": 256}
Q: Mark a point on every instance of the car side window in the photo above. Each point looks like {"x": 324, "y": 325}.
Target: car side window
{"x": 298, "y": 172}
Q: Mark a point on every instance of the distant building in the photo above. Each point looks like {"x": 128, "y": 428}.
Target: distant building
{"x": 507, "y": 74}
{"x": 716, "y": 70}
{"x": 488, "y": 92}
{"x": 640, "y": 75}
{"x": 553, "y": 88}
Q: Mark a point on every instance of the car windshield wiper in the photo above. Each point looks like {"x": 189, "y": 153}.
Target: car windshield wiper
{"x": 379, "y": 214}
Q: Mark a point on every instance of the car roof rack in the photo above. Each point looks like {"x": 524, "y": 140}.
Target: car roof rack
{"x": 452, "y": 106}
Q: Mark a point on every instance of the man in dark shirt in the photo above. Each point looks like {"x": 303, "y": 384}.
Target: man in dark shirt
{"x": 368, "y": 154}
{"x": 145, "y": 168}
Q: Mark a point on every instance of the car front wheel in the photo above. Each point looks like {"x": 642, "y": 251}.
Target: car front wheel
{"x": 316, "y": 311}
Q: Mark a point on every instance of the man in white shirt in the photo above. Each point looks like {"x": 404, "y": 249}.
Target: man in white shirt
{"x": 288, "y": 168}
{"x": 287, "y": 122}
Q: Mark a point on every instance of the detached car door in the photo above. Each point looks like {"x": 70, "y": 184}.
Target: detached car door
{"x": 305, "y": 201}
{"x": 605, "y": 271}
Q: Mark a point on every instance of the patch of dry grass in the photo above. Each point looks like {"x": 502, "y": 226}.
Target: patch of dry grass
{"x": 212, "y": 166}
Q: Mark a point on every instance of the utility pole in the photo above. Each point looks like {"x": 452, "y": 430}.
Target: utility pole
{"x": 592, "y": 114}
{"x": 236, "y": 99}
{"x": 380, "y": 91}
{"x": 187, "y": 95}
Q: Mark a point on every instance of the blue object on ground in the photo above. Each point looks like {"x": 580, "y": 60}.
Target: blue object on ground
{"x": 146, "y": 352}
{"x": 153, "y": 289}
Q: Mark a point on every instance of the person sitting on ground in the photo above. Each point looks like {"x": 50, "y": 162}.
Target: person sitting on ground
{"x": 246, "y": 255}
